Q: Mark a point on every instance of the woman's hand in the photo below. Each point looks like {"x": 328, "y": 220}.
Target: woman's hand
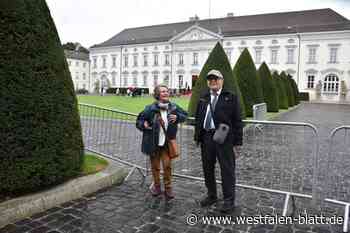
{"x": 172, "y": 118}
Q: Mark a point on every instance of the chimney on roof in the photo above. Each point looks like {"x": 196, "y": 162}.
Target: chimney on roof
{"x": 230, "y": 14}
{"x": 195, "y": 18}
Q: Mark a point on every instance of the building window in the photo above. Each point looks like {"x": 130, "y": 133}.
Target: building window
{"x": 126, "y": 58}
{"x": 84, "y": 76}
{"x": 181, "y": 81}
{"x": 155, "y": 80}
{"x": 113, "y": 79}
{"x": 144, "y": 80}
{"x": 95, "y": 62}
{"x": 84, "y": 64}
{"x": 312, "y": 55}
{"x": 134, "y": 80}
{"x": 257, "y": 56}
{"x": 125, "y": 81}
{"x": 333, "y": 55}
{"x": 166, "y": 80}
{"x": 274, "y": 56}
{"x": 76, "y": 75}
{"x": 145, "y": 60}
{"x": 76, "y": 63}
{"x": 135, "y": 60}
{"x": 167, "y": 62}
{"x": 155, "y": 60}
{"x": 310, "y": 81}
{"x": 195, "y": 58}
{"x": 103, "y": 62}
{"x": 290, "y": 56}
{"x": 114, "y": 61}
{"x": 84, "y": 86}
{"x": 181, "y": 59}
{"x": 331, "y": 84}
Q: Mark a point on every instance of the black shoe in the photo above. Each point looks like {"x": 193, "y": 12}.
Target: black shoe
{"x": 208, "y": 201}
{"x": 227, "y": 207}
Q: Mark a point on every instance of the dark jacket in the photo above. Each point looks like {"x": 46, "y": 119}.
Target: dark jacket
{"x": 227, "y": 111}
{"x": 150, "y": 137}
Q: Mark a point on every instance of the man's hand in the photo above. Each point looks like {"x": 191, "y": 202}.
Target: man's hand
{"x": 172, "y": 118}
{"x": 238, "y": 151}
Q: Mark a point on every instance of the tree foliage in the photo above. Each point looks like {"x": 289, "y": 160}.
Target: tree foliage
{"x": 40, "y": 131}
{"x": 219, "y": 61}
{"x": 269, "y": 87}
{"x": 248, "y": 82}
{"x": 281, "y": 90}
{"x": 288, "y": 88}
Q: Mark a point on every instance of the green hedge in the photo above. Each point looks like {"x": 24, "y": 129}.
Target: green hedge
{"x": 281, "y": 90}
{"x": 295, "y": 89}
{"x": 248, "y": 82}
{"x": 219, "y": 61}
{"x": 269, "y": 87}
{"x": 40, "y": 128}
{"x": 288, "y": 88}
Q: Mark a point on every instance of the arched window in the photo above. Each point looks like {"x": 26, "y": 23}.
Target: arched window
{"x": 331, "y": 84}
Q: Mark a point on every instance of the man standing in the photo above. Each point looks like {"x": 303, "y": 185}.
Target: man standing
{"x": 218, "y": 106}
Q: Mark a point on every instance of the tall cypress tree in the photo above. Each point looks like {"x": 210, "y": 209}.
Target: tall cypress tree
{"x": 248, "y": 82}
{"x": 40, "y": 131}
{"x": 219, "y": 61}
{"x": 295, "y": 89}
{"x": 289, "y": 90}
{"x": 282, "y": 93}
{"x": 269, "y": 88}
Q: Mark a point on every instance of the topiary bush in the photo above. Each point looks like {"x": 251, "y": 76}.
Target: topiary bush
{"x": 288, "y": 88}
{"x": 41, "y": 140}
{"x": 294, "y": 88}
{"x": 269, "y": 87}
{"x": 219, "y": 61}
{"x": 248, "y": 82}
{"x": 282, "y": 93}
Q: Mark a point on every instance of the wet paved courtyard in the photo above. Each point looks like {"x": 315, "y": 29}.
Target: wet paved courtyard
{"x": 280, "y": 161}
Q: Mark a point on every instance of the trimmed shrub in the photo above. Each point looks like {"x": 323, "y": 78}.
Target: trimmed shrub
{"x": 269, "y": 87}
{"x": 304, "y": 96}
{"x": 41, "y": 140}
{"x": 248, "y": 82}
{"x": 282, "y": 93}
{"x": 219, "y": 61}
{"x": 288, "y": 88}
{"x": 295, "y": 89}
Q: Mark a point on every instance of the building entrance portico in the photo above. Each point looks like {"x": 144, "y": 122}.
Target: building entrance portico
{"x": 330, "y": 88}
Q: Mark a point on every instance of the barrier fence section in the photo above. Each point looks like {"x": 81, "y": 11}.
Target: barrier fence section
{"x": 337, "y": 181}
{"x": 277, "y": 157}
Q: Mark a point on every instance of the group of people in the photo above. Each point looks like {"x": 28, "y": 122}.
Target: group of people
{"x": 218, "y": 131}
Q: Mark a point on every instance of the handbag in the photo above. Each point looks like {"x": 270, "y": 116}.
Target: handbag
{"x": 222, "y": 130}
{"x": 173, "y": 148}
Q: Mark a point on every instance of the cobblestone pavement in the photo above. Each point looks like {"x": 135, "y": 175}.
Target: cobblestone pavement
{"x": 275, "y": 157}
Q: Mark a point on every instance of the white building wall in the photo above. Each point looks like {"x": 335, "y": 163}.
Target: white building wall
{"x": 298, "y": 69}
{"x": 80, "y": 73}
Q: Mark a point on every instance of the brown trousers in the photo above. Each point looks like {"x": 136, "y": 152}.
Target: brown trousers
{"x": 161, "y": 155}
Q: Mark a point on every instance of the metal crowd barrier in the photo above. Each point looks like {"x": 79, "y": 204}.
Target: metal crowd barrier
{"x": 280, "y": 157}
{"x": 337, "y": 181}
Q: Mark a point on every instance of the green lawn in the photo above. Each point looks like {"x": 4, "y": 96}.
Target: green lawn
{"x": 92, "y": 164}
{"x": 125, "y": 103}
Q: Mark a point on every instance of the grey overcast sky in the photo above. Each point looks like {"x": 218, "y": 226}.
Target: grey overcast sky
{"x": 91, "y": 22}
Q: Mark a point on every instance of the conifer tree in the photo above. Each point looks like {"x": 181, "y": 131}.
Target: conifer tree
{"x": 289, "y": 90}
{"x": 219, "y": 61}
{"x": 295, "y": 89}
{"x": 269, "y": 87}
{"x": 248, "y": 82}
{"x": 40, "y": 127}
{"x": 282, "y": 93}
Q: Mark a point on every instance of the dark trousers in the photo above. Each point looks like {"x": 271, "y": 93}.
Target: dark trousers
{"x": 224, "y": 153}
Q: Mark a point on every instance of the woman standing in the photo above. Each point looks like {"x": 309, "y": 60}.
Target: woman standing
{"x": 158, "y": 122}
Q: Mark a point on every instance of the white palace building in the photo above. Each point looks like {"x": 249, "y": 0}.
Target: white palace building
{"x": 313, "y": 46}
